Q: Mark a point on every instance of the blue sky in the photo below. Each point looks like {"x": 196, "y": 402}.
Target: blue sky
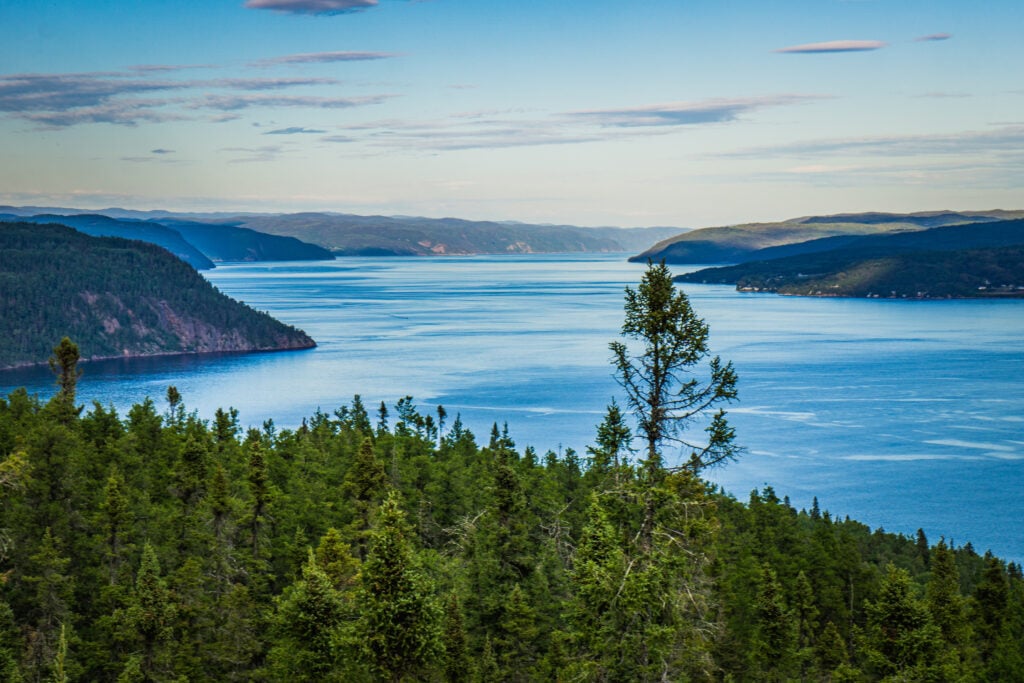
{"x": 685, "y": 113}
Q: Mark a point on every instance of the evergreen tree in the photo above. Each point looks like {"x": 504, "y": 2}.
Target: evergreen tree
{"x": 52, "y": 590}
{"x": 365, "y": 485}
{"x": 943, "y": 596}
{"x": 990, "y": 607}
{"x": 308, "y": 626}
{"x": 147, "y": 620}
{"x": 901, "y": 639}
{"x": 259, "y": 489}
{"x": 456, "y": 650}
{"x": 805, "y": 613}
{"x": 400, "y": 621}
{"x": 64, "y": 364}
{"x": 334, "y": 557}
{"x": 659, "y": 378}
{"x": 612, "y": 446}
{"x": 116, "y": 521}
{"x": 776, "y": 630}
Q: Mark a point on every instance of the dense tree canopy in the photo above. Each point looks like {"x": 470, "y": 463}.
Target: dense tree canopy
{"x": 162, "y": 546}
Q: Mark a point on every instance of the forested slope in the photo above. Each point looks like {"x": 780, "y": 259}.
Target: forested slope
{"x": 103, "y": 226}
{"x": 116, "y": 298}
{"x": 161, "y": 545}
{"x": 972, "y": 260}
{"x": 757, "y": 241}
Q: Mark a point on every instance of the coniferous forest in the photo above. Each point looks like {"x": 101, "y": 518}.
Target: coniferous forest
{"x": 389, "y": 543}
{"x": 117, "y": 298}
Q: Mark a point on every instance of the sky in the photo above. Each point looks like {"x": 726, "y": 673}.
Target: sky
{"x": 687, "y": 113}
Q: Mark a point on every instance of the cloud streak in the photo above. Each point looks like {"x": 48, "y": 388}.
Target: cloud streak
{"x": 498, "y": 130}
{"x": 688, "y": 113}
{"x": 234, "y": 103}
{"x": 933, "y": 37}
{"x": 322, "y": 7}
{"x": 323, "y": 58}
{"x": 123, "y": 98}
{"x": 1004, "y": 141}
{"x": 833, "y": 46}
{"x": 295, "y": 130}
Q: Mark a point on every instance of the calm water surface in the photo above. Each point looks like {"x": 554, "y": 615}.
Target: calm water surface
{"x": 901, "y": 414}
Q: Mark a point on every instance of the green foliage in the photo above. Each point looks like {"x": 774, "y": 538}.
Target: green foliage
{"x": 115, "y": 297}
{"x": 759, "y": 241}
{"x": 547, "y": 570}
{"x": 976, "y": 260}
{"x": 400, "y": 620}
{"x": 659, "y": 377}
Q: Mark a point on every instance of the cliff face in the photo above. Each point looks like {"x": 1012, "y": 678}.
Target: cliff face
{"x": 117, "y": 298}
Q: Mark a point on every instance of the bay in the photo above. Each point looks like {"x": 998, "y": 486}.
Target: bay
{"x": 901, "y": 414}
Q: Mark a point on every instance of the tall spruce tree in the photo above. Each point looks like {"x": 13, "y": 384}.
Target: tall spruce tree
{"x": 399, "y": 618}
{"x": 660, "y": 376}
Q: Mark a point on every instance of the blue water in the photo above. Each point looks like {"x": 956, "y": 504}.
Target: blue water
{"x": 901, "y": 414}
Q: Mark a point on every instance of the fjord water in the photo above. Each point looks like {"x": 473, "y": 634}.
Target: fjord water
{"x": 901, "y": 414}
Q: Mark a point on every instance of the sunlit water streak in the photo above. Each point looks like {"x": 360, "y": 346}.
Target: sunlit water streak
{"x": 898, "y": 413}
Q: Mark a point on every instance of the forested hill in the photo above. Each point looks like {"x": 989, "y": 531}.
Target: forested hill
{"x": 116, "y": 297}
{"x": 411, "y": 236}
{"x": 104, "y": 226}
{"x": 199, "y": 244}
{"x": 166, "y": 546}
{"x": 741, "y": 243}
{"x": 232, "y": 243}
{"x": 958, "y": 261}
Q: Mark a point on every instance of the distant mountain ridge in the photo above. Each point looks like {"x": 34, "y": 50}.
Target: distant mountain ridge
{"x": 951, "y": 261}
{"x": 352, "y": 235}
{"x": 745, "y": 242}
{"x": 103, "y": 226}
{"x": 116, "y": 298}
{"x": 198, "y": 244}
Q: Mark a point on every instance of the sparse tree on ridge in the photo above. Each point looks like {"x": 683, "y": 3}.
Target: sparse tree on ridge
{"x": 659, "y": 373}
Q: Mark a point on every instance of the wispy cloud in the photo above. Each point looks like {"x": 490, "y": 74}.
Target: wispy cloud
{"x": 254, "y": 154}
{"x": 933, "y": 36}
{"x": 166, "y": 68}
{"x": 323, "y": 58}
{"x": 234, "y": 103}
{"x": 834, "y": 46}
{"x": 60, "y": 92}
{"x": 328, "y": 7}
{"x": 516, "y": 128}
{"x": 158, "y": 155}
{"x": 1007, "y": 140}
{"x": 125, "y": 113}
{"x": 124, "y": 98}
{"x": 294, "y": 130}
{"x": 264, "y": 83}
{"x": 688, "y": 113}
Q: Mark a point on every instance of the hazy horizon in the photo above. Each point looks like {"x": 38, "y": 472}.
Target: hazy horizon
{"x": 683, "y": 114}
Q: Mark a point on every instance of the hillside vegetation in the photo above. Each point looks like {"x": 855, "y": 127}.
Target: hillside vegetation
{"x": 740, "y": 243}
{"x": 198, "y": 244}
{"x": 161, "y": 545}
{"x": 104, "y": 226}
{"x": 973, "y": 260}
{"x": 116, "y": 298}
